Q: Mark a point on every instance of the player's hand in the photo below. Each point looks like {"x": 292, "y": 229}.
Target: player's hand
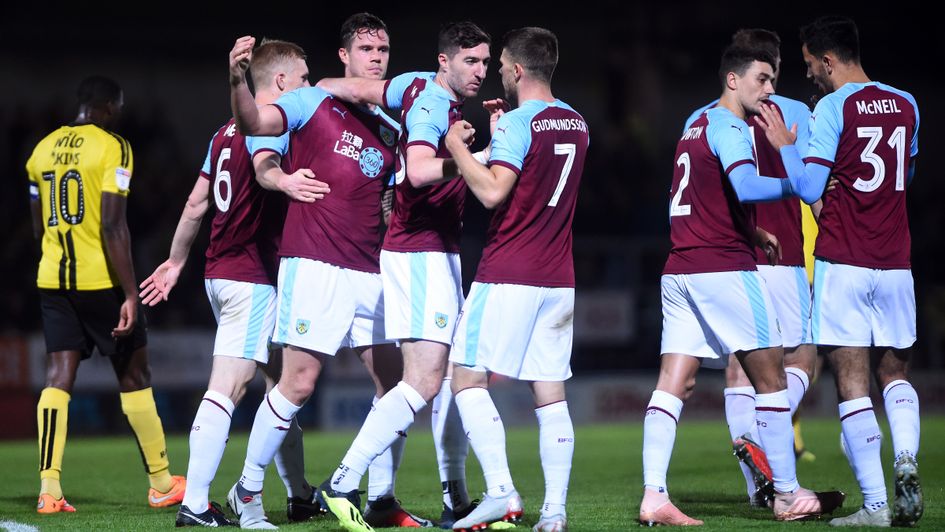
{"x": 301, "y": 185}
{"x": 461, "y": 132}
{"x": 769, "y": 244}
{"x": 240, "y": 56}
{"x": 159, "y": 284}
{"x": 775, "y": 129}
{"x": 832, "y": 183}
{"x": 496, "y": 109}
{"x": 127, "y": 317}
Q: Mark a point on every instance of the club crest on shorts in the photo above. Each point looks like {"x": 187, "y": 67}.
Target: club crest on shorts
{"x": 388, "y": 135}
{"x": 440, "y": 319}
{"x": 301, "y": 326}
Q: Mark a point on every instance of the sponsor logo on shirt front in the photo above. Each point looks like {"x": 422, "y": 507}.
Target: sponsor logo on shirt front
{"x": 371, "y": 161}
{"x": 349, "y": 145}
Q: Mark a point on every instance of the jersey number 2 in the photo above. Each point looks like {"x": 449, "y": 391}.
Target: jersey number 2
{"x": 675, "y": 208}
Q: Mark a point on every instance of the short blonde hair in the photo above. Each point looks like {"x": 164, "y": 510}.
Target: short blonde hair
{"x": 269, "y": 57}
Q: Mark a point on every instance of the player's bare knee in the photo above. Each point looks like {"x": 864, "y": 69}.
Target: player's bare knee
{"x": 802, "y": 357}
{"x": 889, "y": 365}
{"x": 464, "y": 378}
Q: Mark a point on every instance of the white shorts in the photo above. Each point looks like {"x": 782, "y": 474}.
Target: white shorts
{"x": 790, "y": 295}
{"x": 423, "y": 293}
{"x": 246, "y": 315}
{"x": 711, "y": 315}
{"x": 323, "y": 307}
{"x": 524, "y": 332}
{"x": 861, "y": 307}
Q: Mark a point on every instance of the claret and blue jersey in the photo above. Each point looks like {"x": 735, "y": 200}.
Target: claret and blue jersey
{"x": 427, "y": 218}
{"x": 865, "y": 135}
{"x": 353, "y": 150}
{"x": 529, "y": 239}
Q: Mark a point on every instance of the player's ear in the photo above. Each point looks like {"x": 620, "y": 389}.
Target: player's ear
{"x": 828, "y": 61}
{"x": 443, "y": 60}
{"x": 731, "y": 80}
{"x": 280, "y": 81}
{"x": 343, "y": 55}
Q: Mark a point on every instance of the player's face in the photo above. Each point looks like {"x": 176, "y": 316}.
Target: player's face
{"x": 755, "y": 86}
{"x": 507, "y": 73}
{"x": 466, "y": 70}
{"x": 368, "y": 54}
{"x": 816, "y": 71}
{"x": 297, "y": 75}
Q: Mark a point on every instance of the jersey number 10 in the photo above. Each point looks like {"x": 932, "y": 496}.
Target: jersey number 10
{"x": 61, "y": 208}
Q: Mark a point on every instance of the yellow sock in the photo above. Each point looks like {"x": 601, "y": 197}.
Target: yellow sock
{"x": 52, "y": 415}
{"x": 142, "y": 415}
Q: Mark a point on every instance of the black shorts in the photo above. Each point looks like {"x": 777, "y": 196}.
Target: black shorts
{"x": 80, "y": 320}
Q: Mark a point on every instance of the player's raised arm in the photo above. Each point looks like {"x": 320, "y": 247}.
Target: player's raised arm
{"x": 159, "y": 284}
{"x": 250, "y": 119}
{"x": 355, "y": 90}
{"x": 491, "y": 185}
{"x": 806, "y": 180}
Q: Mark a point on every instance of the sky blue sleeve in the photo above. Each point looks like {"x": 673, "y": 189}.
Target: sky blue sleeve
{"x": 730, "y": 141}
{"x": 825, "y": 125}
{"x": 205, "y": 169}
{"x": 278, "y": 144}
{"x": 511, "y": 142}
{"x": 299, "y": 105}
{"x": 695, "y": 114}
{"x": 914, "y": 146}
{"x": 751, "y": 187}
{"x": 428, "y": 121}
{"x": 395, "y": 88}
{"x": 807, "y": 180}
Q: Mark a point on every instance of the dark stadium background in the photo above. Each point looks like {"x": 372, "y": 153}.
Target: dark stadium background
{"x": 634, "y": 70}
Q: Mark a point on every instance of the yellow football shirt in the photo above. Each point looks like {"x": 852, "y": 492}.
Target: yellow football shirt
{"x": 69, "y": 170}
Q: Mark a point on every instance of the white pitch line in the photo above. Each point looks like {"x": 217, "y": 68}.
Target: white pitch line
{"x": 13, "y": 526}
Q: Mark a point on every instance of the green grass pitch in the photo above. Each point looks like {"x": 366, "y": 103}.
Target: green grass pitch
{"x": 103, "y": 478}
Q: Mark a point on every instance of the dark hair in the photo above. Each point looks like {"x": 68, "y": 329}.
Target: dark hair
{"x": 832, "y": 34}
{"x": 357, "y": 24}
{"x": 536, "y": 49}
{"x": 758, "y": 38}
{"x": 738, "y": 59}
{"x": 457, "y": 35}
{"x": 98, "y": 91}
{"x": 269, "y": 56}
